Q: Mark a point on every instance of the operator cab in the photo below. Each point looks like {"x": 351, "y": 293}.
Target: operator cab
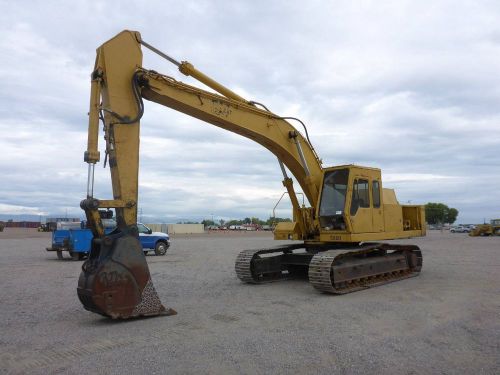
{"x": 351, "y": 199}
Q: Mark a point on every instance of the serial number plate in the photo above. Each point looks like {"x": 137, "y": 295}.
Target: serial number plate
{"x": 335, "y": 238}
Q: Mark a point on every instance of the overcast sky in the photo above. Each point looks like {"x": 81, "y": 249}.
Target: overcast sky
{"x": 412, "y": 88}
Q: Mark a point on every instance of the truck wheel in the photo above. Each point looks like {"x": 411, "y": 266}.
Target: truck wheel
{"x": 161, "y": 248}
{"x": 59, "y": 254}
{"x": 76, "y": 256}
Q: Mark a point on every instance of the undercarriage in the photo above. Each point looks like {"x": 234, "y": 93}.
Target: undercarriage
{"x": 335, "y": 269}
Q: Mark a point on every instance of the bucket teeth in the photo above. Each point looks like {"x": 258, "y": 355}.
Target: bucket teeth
{"x": 150, "y": 304}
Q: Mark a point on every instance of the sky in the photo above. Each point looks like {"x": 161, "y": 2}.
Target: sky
{"x": 412, "y": 88}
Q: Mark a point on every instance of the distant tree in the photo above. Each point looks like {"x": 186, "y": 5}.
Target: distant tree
{"x": 234, "y": 222}
{"x": 256, "y": 220}
{"x": 451, "y": 215}
{"x": 207, "y": 223}
{"x": 274, "y": 220}
{"x": 439, "y": 213}
{"x": 221, "y": 222}
{"x": 250, "y": 220}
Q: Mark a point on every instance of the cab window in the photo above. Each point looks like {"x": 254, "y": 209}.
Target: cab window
{"x": 333, "y": 197}
{"x": 142, "y": 228}
{"x": 360, "y": 195}
{"x": 376, "y": 194}
{"x": 334, "y": 193}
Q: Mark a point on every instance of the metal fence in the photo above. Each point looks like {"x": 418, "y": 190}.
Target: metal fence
{"x": 177, "y": 228}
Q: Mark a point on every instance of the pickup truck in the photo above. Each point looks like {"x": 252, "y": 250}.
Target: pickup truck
{"x": 77, "y": 241}
{"x": 460, "y": 229}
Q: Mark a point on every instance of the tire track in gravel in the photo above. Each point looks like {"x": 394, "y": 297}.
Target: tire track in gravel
{"x": 21, "y": 362}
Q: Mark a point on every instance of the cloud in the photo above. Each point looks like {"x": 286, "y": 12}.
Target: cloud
{"x": 409, "y": 87}
{"x": 21, "y": 210}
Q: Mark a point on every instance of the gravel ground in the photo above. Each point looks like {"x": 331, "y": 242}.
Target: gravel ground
{"x": 445, "y": 321}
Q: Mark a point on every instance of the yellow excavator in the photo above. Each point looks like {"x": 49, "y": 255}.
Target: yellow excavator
{"x": 349, "y": 211}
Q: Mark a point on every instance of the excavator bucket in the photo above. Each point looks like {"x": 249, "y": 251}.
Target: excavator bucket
{"x": 115, "y": 280}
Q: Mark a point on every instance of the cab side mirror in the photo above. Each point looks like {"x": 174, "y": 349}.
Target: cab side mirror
{"x": 150, "y": 231}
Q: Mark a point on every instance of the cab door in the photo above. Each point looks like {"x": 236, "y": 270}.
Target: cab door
{"x": 377, "y": 211}
{"x": 361, "y": 211}
{"x": 145, "y": 237}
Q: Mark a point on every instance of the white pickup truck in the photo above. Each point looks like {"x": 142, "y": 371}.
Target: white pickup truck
{"x": 460, "y": 229}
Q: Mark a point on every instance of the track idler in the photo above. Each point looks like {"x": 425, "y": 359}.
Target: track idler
{"x": 115, "y": 280}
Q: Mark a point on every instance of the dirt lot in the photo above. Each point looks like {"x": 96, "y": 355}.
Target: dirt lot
{"x": 446, "y": 321}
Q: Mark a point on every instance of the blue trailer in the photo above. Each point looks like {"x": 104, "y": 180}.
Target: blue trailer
{"x": 77, "y": 242}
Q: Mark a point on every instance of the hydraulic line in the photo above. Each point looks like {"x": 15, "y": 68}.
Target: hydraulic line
{"x": 140, "y": 104}
{"x": 286, "y": 118}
